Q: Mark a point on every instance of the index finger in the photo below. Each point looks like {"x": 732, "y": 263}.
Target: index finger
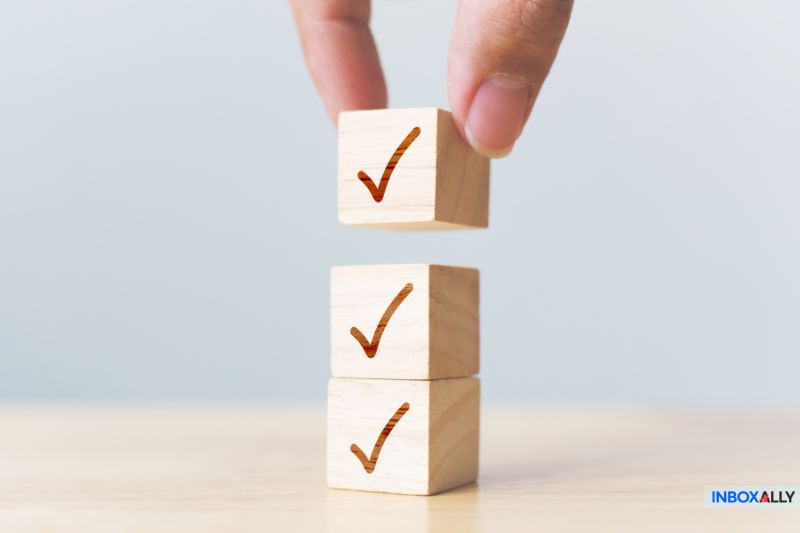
{"x": 341, "y": 54}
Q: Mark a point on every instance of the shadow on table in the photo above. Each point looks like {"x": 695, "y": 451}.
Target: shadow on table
{"x": 354, "y": 511}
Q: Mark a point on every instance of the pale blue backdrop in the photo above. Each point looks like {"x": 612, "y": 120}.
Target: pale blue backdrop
{"x": 168, "y": 210}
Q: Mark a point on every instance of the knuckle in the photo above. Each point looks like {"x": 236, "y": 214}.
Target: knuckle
{"x": 524, "y": 35}
{"x": 539, "y": 22}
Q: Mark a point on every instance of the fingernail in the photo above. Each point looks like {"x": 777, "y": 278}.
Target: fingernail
{"x": 497, "y": 113}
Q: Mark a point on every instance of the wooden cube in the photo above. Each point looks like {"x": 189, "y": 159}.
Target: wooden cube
{"x": 404, "y": 321}
{"x": 409, "y": 169}
{"x": 403, "y": 436}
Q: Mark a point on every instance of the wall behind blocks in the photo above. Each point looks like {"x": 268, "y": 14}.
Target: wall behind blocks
{"x": 168, "y": 206}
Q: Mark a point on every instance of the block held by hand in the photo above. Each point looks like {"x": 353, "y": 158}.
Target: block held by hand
{"x": 409, "y": 169}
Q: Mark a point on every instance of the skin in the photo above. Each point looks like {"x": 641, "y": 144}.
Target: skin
{"x": 500, "y": 54}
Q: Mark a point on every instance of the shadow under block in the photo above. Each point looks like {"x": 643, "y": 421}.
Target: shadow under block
{"x": 432, "y": 445}
{"x": 417, "y": 321}
{"x": 436, "y": 182}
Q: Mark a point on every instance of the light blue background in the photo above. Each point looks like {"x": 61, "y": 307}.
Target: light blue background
{"x": 168, "y": 207}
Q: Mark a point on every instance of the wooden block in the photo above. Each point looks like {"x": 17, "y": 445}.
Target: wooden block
{"x": 409, "y": 169}
{"x": 403, "y": 436}
{"x": 404, "y": 321}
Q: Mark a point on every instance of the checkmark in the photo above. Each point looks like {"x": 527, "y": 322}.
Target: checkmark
{"x": 369, "y": 464}
{"x": 371, "y": 348}
{"x": 380, "y": 190}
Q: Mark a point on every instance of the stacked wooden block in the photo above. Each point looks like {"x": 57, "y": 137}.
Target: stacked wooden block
{"x": 403, "y": 405}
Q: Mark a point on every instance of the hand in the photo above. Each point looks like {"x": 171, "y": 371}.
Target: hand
{"x": 500, "y": 54}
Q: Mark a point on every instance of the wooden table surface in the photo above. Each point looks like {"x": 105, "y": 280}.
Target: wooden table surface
{"x": 252, "y": 469}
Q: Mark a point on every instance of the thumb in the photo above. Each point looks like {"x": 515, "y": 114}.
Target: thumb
{"x": 500, "y": 54}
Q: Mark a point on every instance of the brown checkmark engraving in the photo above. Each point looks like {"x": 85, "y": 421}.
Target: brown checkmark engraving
{"x": 369, "y": 464}
{"x": 371, "y": 348}
{"x": 380, "y": 190}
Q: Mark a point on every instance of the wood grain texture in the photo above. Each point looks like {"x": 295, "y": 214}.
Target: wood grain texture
{"x": 462, "y": 185}
{"x": 206, "y": 469}
{"x": 439, "y": 182}
{"x": 454, "y": 318}
{"x": 433, "y": 447}
{"x": 432, "y": 334}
